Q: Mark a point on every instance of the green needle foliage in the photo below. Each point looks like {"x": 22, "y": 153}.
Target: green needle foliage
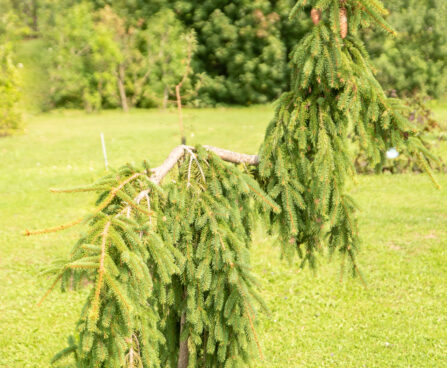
{"x": 211, "y": 215}
{"x": 169, "y": 263}
{"x": 416, "y": 60}
{"x": 305, "y": 157}
{"x": 168, "y": 267}
{"x": 129, "y": 258}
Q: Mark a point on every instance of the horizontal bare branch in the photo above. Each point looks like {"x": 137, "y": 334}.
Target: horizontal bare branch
{"x": 178, "y": 152}
{"x": 234, "y": 157}
{"x": 160, "y": 172}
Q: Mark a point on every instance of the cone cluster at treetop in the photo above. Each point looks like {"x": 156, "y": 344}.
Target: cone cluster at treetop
{"x": 170, "y": 259}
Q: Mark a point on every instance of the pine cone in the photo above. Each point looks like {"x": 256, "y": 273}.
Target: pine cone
{"x": 315, "y": 14}
{"x": 343, "y": 22}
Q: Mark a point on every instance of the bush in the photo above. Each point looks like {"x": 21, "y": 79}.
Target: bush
{"x": 10, "y": 93}
{"x": 416, "y": 60}
{"x": 240, "y": 50}
{"x": 10, "y": 115}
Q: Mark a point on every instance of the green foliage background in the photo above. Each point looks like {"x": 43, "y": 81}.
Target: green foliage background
{"x": 416, "y": 59}
{"x": 241, "y": 50}
{"x": 10, "y": 78}
{"x": 76, "y": 51}
{"x": 10, "y": 116}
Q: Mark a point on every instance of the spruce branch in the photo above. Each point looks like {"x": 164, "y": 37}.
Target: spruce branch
{"x": 90, "y": 188}
{"x": 193, "y": 157}
{"x": 133, "y": 357}
{"x": 50, "y": 289}
{"x": 113, "y": 193}
{"x": 95, "y": 304}
{"x": 178, "y": 153}
{"x": 261, "y": 355}
{"x": 54, "y": 229}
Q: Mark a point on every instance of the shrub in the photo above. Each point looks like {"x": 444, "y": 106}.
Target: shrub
{"x": 10, "y": 79}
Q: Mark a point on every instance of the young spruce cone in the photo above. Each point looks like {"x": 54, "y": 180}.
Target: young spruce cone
{"x": 315, "y": 14}
{"x": 343, "y": 22}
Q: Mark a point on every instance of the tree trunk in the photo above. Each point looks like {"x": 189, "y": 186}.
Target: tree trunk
{"x": 183, "y": 355}
{"x": 35, "y": 16}
{"x": 165, "y": 97}
{"x": 122, "y": 89}
{"x": 180, "y": 114}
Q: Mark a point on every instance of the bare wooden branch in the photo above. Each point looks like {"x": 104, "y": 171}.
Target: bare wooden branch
{"x": 178, "y": 152}
{"x": 234, "y": 157}
{"x": 183, "y": 354}
{"x": 343, "y": 22}
{"x": 160, "y": 172}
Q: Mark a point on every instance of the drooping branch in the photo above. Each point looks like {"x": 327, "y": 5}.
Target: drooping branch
{"x": 157, "y": 176}
{"x": 178, "y": 152}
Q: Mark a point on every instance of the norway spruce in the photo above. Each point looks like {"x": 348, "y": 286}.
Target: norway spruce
{"x": 305, "y": 159}
{"x": 166, "y": 251}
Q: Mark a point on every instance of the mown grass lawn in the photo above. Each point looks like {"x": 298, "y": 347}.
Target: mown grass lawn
{"x": 400, "y": 320}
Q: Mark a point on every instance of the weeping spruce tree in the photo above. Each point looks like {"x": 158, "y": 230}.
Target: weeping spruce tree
{"x": 167, "y": 249}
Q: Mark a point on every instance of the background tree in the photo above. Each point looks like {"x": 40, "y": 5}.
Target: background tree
{"x": 240, "y": 49}
{"x": 28, "y": 11}
{"x": 168, "y": 46}
{"x": 98, "y": 59}
{"x": 80, "y": 61}
{"x": 416, "y": 59}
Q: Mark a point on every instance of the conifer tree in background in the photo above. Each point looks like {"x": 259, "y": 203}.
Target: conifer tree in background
{"x": 416, "y": 60}
{"x": 240, "y": 49}
{"x": 169, "y": 259}
{"x": 242, "y": 53}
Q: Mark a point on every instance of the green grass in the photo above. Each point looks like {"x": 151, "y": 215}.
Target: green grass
{"x": 400, "y": 320}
